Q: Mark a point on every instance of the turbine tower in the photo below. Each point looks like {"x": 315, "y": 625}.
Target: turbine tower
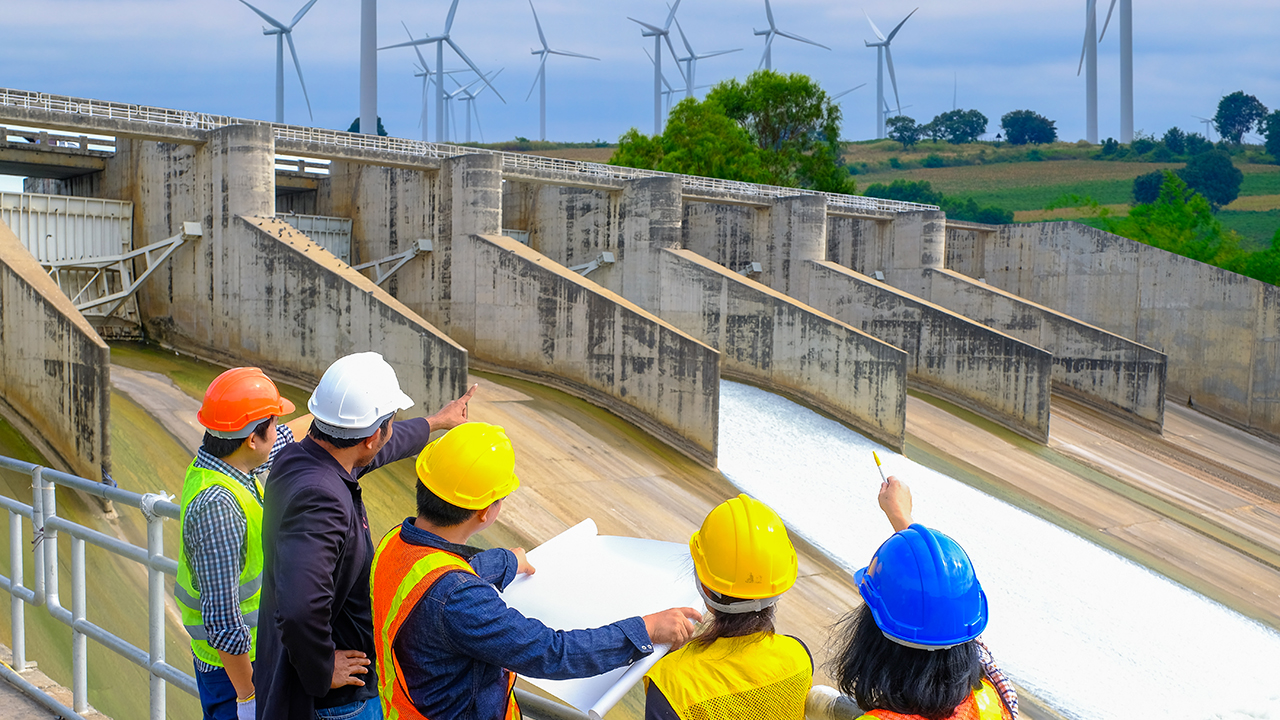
{"x": 659, "y": 34}
{"x": 691, "y": 62}
{"x": 369, "y": 67}
{"x": 285, "y": 32}
{"x": 469, "y": 99}
{"x": 1126, "y": 65}
{"x": 766, "y": 61}
{"x": 540, "y": 81}
{"x": 1089, "y": 63}
{"x": 883, "y": 57}
{"x": 440, "y": 41}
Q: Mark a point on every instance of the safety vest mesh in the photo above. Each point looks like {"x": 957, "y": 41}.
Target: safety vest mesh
{"x": 755, "y": 676}
{"x": 250, "y": 593}
{"x": 402, "y": 573}
{"x": 982, "y": 704}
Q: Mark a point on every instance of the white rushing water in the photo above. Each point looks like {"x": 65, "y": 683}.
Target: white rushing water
{"x": 1090, "y": 633}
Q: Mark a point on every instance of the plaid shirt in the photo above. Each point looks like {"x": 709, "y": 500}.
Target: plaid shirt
{"x": 1003, "y": 685}
{"x": 213, "y": 533}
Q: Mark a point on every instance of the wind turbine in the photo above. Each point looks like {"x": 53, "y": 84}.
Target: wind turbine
{"x": 659, "y": 34}
{"x": 1126, "y": 65}
{"x": 842, "y": 93}
{"x": 691, "y": 62}
{"x": 1089, "y": 62}
{"x": 883, "y": 56}
{"x": 469, "y": 98}
{"x": 285, "y": 32}
{"x": 767, "y": 60}
{"x": 1208, "y": 126}
{"x": 668, "y": 95}
{"x": 440, "y": 41}
{"x": 540, "y": 82}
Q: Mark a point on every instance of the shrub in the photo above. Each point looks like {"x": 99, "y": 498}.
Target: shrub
{"x": 1142, "y": 146}
{"x": 1146, "y": 188}
{"x": 895, "y": 163}
{"x": 1110, "y": 146}
{"x": 933, "y": 160}
{"x": 1175, "y": 140}
{"x": 1213, "y": 175}
{"x": 1034, "y": 155}
{"x": 1196, "y": 144}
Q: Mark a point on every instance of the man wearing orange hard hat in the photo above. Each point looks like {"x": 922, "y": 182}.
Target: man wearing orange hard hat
{"x": 220, "y": 557}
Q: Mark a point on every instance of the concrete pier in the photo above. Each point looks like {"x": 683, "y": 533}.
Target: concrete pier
{"x": 54, "y": 368}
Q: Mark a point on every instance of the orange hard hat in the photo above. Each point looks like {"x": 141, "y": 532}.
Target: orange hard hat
{"x": 238, "y": 400}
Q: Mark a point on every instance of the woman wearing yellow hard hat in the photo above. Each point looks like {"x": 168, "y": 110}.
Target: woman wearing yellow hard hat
{"x": 736, "y": 667}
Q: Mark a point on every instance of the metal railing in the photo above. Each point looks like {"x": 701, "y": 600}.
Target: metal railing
{"x": 511, "y": 162}
{"x": 46, "y": 525}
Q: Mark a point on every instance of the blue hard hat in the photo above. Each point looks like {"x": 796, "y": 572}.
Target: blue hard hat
{"x": 922, "y": 592}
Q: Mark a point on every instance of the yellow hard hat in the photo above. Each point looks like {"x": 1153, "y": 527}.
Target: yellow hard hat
{"x": 743, "y": 551}
{"x": 470, "y": 466}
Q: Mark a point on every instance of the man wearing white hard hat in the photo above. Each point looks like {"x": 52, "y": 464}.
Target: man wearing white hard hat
{"x": 315, "y": 636}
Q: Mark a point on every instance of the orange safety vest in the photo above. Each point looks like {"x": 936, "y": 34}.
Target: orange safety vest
{"x": 402, "y": 573}
{"x": 982, "y": 704}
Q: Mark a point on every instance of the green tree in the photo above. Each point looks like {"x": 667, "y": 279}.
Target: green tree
{"x": 1238, "y": 114}
{"x": 904, "y": 130}
{"x": 907, "y": 191}
{"x": 1197, "y": 143}
{"x": 1024, "y": 126}
{"x": 1271, "y": 130}
{"x": 1180, "y": 221}
{"x": 1214, "y": 176}
{"x": 355, "y": 127}
{"x": 699, "y": 139}
{"x": 958, "y": 126}
{"x": 1263, "y": 265}
{"x": 1175, "y": 140}
{"x": 793, "y": 120}
{"x": 1146, "y": 188}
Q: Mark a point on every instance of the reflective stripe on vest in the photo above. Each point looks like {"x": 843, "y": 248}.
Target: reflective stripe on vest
{"x": 982, "y": 704}
{"x": 764, "y": 675}
{"x": 402, "y": 573}
{"x": 250, "y": 591}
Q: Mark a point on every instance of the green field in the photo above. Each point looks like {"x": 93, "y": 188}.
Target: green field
{"x": 1257, "y": 228}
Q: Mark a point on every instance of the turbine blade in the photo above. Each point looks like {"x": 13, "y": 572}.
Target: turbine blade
{"x": 716, "y": 53}
{"x": 301, "y": 12}
{"x": 417, "y": 49}
{"x": 803, "y": 40}
{"x": 448, "y": 22}
{"x": 492, "y": 75}
{"x": 888, "y": 56}
{"x": 467, "y": 60}
{"x": 411, "y": 43}
{"x": 566, "y": 53}
{"x": 675, "y": 57}
{"x": 542, "y": 67}
{"x": 672, "y": 16}
{"x": 768, "y": 11}
{"x": 298, "y": 66}
{"x": 684, "y": 39}
{"x": 1084, "y": 49}
{"x": 274, "y": 22}
{"x": 647, "y": 26}
{"x": 541, "y": 37}
{"x": 874, "y": 29}
{"x": 837, "y": 96}
{"x": 904, "y": 22}
{"x": 1108, "y": 22}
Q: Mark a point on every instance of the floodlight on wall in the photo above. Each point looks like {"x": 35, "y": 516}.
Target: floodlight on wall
{"x": 751, "y": 269}
{"x": 880, "y": 276}
{"x": 604, "y": 258}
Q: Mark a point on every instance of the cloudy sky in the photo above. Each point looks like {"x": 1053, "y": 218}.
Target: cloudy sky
{"x": 997, "y": 56}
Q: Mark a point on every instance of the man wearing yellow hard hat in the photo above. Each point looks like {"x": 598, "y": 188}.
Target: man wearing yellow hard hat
{"x": 449, "y": 648}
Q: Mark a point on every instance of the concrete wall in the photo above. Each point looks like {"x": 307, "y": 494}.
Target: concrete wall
{"x": 965, "y": 242}
{"x": 1220, "y": 331}
{"x": 771, "y": 340}
{"x": 253, "y": 290}
{"x": 995, "y": 375}
{"x": 570, "y": 225}
{"x": 55, "y": 385}
{"x": 531, "y": 317}
{"x": 1100, "y": 368}
{"x": 858, "y": 243}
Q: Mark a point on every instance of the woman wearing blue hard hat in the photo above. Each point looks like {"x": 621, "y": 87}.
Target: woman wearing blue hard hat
{"x": 912, "y": 649}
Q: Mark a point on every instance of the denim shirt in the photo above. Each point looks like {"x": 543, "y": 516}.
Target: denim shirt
{"x": 458, "y": 643}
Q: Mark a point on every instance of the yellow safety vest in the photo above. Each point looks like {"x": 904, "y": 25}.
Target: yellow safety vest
{"x": 184, "y": 591}
{"x": 764, "y": 675}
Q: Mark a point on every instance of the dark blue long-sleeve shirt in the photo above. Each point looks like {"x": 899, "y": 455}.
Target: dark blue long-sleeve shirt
{"x": 458, "y": 642}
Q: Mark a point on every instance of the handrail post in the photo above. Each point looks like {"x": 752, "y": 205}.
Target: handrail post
{"x": 49, "y": 542}
{"x": 17, "y": 614}
{"x": 37, "y": 532}
{"x": 155, "y": 604}
{"x": 79, "y": 641}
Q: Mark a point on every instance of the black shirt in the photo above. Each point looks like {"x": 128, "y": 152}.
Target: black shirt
{"x": 315, "y": 590}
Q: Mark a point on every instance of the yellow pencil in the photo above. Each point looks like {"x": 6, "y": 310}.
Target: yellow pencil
{"x": 879, "y": 466}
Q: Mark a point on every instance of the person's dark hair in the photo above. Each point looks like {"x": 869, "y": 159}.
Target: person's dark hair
{"x": 343, "y": 443}
{"x": 881, "y": 674}
{"x": 222, "y": 447}
{"x": 437, "y": 511}
{"x": 731, "y": 625}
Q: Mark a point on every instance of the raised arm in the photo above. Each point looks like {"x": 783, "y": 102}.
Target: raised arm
{"x": 895, "y": 501}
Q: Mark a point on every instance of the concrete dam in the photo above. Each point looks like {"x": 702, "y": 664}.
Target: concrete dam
{"x": 244, "y": 242}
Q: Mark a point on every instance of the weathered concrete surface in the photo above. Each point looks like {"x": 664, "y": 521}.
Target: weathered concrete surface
{"x": 55, "y": 384}
{"x": 780, "y": 344}
{"x": 531, "y": 317}
{"x": 1220, "y": 331}
{"x": 984, "y": 370}
{"x": 965, "y": 241}
{"x": 1096, "y": 367}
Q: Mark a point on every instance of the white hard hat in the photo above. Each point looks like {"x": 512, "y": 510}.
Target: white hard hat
{"x": 357, "y": 393}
